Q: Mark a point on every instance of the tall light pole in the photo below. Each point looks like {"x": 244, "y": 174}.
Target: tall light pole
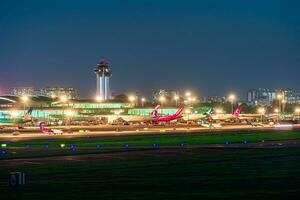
{"x": 231, "y": 98}
{"x": 188, "y": 97}
{"x": 143, "y": 100}
{"x": 276, "y": 110}
{"x": 132, "y": 99}
{"x": 162, "y": 99}
{"x": 193, "y": 100}
{"x": 262, "y": 112}
{"x": 297, "y": 110}
{"x": 176, "y": 98}
{"x": 63, "y": 99}
{"x": 279, "y": 97}
{"x": 283, "y": 105}
{"x": 188, "y": 94}
{"x": 24, "y": 99}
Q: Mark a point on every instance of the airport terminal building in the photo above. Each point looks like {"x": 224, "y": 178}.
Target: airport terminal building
{"x": 53, "y": 108}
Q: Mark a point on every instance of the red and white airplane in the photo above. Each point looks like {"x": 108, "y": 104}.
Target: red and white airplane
{"x": 166, "y": 118}
{"x": 153, "y": 117}
{"x": 235, "y": 115}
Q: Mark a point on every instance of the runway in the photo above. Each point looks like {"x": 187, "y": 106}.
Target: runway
{"x": 119, "y": 131}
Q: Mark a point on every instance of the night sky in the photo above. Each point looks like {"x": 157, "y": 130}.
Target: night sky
{"x": 212, "y": 47}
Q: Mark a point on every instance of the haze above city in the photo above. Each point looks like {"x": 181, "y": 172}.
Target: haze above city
{"x": 212, "y": 47}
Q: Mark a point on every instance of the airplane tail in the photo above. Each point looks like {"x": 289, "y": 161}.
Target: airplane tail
{"x": 42, "y": 128}
{"x": 28, "y": 114}
{"x": 238, "y": 110}
{"x": 154, "y": 113}
{"x": 209, "y": 112}
{"x": 29, "y": 111}
{"x": 180, "y": 110}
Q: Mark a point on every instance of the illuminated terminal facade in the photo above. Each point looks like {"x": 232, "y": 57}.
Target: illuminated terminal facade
{"x": 48, "y": 109}
{"x": 103, "y": 74}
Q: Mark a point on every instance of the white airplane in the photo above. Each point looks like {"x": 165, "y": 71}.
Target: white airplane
{"x": 197, "y": 117}
{"x": 129, "y": 119}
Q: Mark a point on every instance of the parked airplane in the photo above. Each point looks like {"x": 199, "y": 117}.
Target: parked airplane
{"x": 43, "y": 129}
{"x": 197, "y": 117}
{"x": 130, "y": 119}
{"x": 226, "y": 117}
{"x": 153, "y": 117}
{"x": 167, "y": 118}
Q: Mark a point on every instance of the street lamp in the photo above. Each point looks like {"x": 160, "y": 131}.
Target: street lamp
{"x": 24, "y": 99}
{"x": 276, "y": 110}
{"x": 283, "y": 105}
{"x": 188, "y": 94}
{"x": 279, "y": 97}
{"x": 231, "y": 98}
{"x": 131, "y": 98}
{"x": 297, "y": 110}
{"x": 162, "y": 99}
{"x": 143, "y": 100}
{"x": 262, "y": 112}
{"x": 176, "y": 98}
{"x": 193, "y": 100}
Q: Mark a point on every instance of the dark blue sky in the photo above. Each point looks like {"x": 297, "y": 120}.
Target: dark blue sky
{"x": 210, "y": 46}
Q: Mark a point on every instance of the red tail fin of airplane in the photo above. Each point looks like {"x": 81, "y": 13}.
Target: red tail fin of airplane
{"x": 238, "y": 110}
{"x": 180, "y": 110}
{"x": 154, "y": 113}
{"x": 43, "y": 129}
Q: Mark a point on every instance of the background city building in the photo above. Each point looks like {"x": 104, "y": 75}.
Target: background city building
{"x": 68, "y": 92}
{"x": 264, "y": 96}
{"x": 23, "y": 91}
{"x": 213, "y": 99}
{"x": 167, "y": 94}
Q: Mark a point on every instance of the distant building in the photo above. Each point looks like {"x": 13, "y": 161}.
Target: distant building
{"x": 214, "y": 99}
{"x": 23, "y": 91}
{"x": 252, "y": 96}
{"x": 290, "y": 96}
{"x": 261, "y": 96}
{"x": 264, "y": 96}
{"x": 168, "y": 94}
{"x": 69, "y": 92}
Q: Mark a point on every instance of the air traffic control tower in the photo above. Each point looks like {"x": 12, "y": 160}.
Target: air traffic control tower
{"x": 103, "y": 74}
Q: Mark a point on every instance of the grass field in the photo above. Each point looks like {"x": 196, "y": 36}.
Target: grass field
{"x": 162, "y": 174}
{"x": 166, "y": 139}
{"x": 91, "y": 145}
